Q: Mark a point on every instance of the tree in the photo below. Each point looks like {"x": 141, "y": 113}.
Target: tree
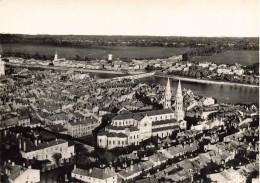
{"x": 251, "y": 80}
{"x": 56, "y": 157}
{"x": 198, "y": 75}
{"x": 185, "y": 57}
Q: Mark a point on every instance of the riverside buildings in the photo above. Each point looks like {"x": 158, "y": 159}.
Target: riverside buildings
{"x": 132, "y": 128}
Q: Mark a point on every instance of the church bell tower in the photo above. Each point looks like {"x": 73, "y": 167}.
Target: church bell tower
{"x": 168, "y": 96}
{"x": 179, "y": 113}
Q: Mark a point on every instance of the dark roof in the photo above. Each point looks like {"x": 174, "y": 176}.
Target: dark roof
{"x": 175, "y": 127}
{"x": 162, "y": 122}
{"x": 9, "y": 122}
{"x": 30, "y": 146}
{"x": 140, "y": 115}
{"x": 23, "y": 117}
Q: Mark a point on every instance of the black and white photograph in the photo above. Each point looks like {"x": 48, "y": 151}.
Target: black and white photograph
{"x": 129, "y": 91}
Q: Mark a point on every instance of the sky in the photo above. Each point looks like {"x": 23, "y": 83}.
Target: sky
{"x": 209, "y": 18}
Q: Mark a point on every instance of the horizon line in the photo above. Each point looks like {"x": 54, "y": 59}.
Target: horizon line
{"x": 41, "y": 34}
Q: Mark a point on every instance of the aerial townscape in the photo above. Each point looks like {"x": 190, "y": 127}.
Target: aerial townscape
{"x": 62, "y": 124}
{"x": 129, "y": 91}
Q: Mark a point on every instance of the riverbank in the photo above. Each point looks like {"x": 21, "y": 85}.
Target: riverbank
{"x": 208, "y": 81}
{"x": 64, "y": 68}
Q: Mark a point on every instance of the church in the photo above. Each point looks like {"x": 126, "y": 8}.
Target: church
{"x": 132, "y": 128}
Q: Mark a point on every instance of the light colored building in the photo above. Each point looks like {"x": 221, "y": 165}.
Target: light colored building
{"x": 82, "y": 127}
{"x": 45, "y": 150}
{"x": 224, "y": 71}
{"x": 58, "y": 61}
{"x": 19, "y": 174}
{"x": 238, "y": 71}
{"x": 95, "y": 175}
{"x": 204, "y": 64}
{"x": 208, "y": 101}
{"x": 228, "y": 176}
{"x": 23, "y": 121}
{"x": 2, "y": 67}
{"x": 110, "y": 57}
{"x": 132, "y": 128}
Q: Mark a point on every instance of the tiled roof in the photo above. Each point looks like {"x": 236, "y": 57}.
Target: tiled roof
{"x": 15, "y": 171}
{"x": 175, "y": 127}
{"x": 97, "y": 173}
{"x": 30, "y": 146}
{"x": 9, "y": 122}
{"x": 162, "y": 122}
{"x": 140, "y": 115}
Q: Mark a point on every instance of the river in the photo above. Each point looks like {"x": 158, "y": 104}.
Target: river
{"x": 223, "y": 93}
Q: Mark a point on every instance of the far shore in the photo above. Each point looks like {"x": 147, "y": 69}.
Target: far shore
{"x": 122, "y": 73}
{"x": 65, "y": 68}
{"x": 207, "y": 81}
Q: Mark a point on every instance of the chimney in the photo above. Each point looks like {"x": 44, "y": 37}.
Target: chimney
{"x": 7, "y": 171}
{"x": 13, "y": 163}
{"x": 24, "y": 146}
{"x": 75, "y": 166}
{"x": 39, "y": 141}
{"x": 20, "y": 144}
{"x": 90, "y": 170}
{"x": 132, "y": 166}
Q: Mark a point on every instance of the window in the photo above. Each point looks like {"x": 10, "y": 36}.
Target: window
{"x": 136, "y": 136}
{"x": 122, "y": 142}
{"x": 110, "y": 142}
{"x": 113, "y": 142}
{"x": 118, "y": 142}
{"x": 100, "y": 140}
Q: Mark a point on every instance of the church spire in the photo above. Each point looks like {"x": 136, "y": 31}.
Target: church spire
{"x": 179, "y": 92}
{"x": 168, "y": 95}
{"x": 179, "y": 113}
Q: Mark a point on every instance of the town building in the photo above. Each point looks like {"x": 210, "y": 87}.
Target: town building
{"x": 45, "y": 150}
{"x": 110, "y": 57}
{"x": 20, "y": 174}
{"x": 229, "y": 176}
{"x": 132, "y": 128}
{"x": 82, "y": 126}
{"x": 100, "y": 175}
{"x": 56, "y": 60}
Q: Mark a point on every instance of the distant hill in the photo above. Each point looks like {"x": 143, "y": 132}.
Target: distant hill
{"x": 139, "y": 41}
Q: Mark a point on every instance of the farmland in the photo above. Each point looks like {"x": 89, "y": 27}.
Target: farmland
{"x": 231, "y": 57}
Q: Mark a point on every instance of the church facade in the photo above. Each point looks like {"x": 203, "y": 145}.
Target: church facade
{"x": 132, "y": 128}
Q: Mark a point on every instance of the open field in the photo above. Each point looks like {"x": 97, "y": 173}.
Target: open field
{"x": 231, "y": 57}
{"x": 93, "y": 52}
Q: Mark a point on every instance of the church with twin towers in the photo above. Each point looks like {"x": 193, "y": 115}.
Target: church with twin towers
{"x": 132, "y": 128}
